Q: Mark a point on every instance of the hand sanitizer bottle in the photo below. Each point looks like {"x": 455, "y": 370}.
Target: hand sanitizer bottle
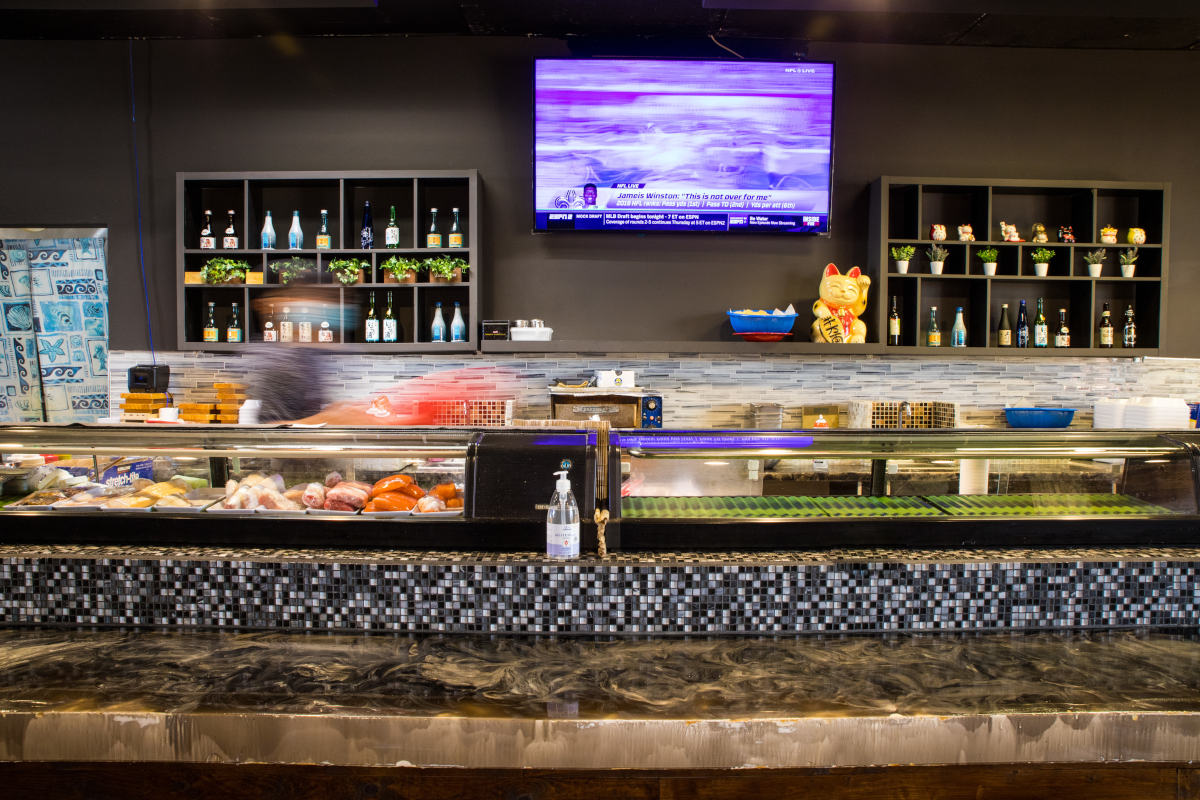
{"x": 562, "y": 521}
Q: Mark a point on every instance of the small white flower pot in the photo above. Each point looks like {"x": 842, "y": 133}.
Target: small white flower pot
{"x": 989, "y": 268}
{"x": 1041, "y": 270}
{"x": 1095, "y": 269}
{"x": 902, "y": 267}
{"x": 1127, "y": 270}
{"x": 936, "y": 267}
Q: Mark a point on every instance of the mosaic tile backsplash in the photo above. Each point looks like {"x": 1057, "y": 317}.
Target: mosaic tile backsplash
{"x": 713, "y": 391}
{"x": 625, "y": 595}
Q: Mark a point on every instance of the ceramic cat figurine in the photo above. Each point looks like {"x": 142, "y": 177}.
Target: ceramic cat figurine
{"x": 843, "y": 299}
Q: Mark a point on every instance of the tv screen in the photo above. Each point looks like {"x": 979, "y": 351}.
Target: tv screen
{"x": 668, "y": 145}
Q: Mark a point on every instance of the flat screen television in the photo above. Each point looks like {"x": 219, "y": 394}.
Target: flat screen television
{"x": 674, "y": 145}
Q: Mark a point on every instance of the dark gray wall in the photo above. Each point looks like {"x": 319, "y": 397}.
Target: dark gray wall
{"x": 394, "y": 103}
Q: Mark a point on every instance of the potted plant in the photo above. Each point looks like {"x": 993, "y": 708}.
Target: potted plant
{"x": 937, "y": 258}
{"x": 348, "y": 270}
{"x": 446, "y": 269}
{"x": 1095, "y": 261}
{"x": 398, "y": 269}
{"x": 294, "y": 269}
{"x": 1128, "y": 261}
{"x": 902, "y": 254}
{"x": 988, "y": 256}
{"x": 224, "y": 270}
{"x": 1041, "y": 261}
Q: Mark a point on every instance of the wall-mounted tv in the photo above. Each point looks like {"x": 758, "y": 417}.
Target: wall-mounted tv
{"x": 675, "y": 145}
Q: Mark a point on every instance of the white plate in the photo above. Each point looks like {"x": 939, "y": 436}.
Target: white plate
{"x": 28, "y": 508}
{"x": 322, "y": 512}
{"x": 450, "y": 512}
{"x": 216, "y": 509}
{"x": 145, "y": 510}
{"x": 283, "y": 512}
{"x": 387, "y": 514}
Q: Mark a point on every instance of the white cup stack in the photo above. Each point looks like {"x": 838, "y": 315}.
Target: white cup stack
{"x": 1109, "y": 414}
{"x": 1157, "y": 413}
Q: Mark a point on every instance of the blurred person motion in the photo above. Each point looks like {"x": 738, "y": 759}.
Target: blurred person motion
{"x": 290, "y": 375}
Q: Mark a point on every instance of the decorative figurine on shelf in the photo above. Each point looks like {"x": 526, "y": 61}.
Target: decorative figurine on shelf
{"x": 843, "y": 299}
{"x": 1108, "y": 235}
{"x": 966, "y": 233}
{"x": 1136, "y": 236}
{"x": 1066, "y": 233}
{"x": 1009, "y": 232}
{"x": 1039, "y": 233}
{"x": 937, "y": 233}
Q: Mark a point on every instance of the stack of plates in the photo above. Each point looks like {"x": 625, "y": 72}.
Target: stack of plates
{"x": 1109, "y": 414}
{"x": 1158, "y": 413}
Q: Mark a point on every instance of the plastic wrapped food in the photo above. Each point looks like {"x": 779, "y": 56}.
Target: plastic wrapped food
{"x": 314, "y": 495}
{"x": 430, "y": 502}
{"x": 346, "y": 496}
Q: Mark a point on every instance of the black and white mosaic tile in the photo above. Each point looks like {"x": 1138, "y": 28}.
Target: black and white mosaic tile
{"x": 630, "y": 594}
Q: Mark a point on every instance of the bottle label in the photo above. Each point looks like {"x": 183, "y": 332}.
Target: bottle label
{"x": 208, "y": 243}
{"x": 233, "y": 334}
{"x": 389, "y": 330}
{"x": 456, "y": 240}
{"x": 367, "y": 238}
{"x": 562, "y": 540}
{"x": 893, "y": 327}
{"x": 325, "y": 335}
{"x": 439, "y": 333}
{"x": 211, "y": 335}
{"x": 934, "y": 339}
{"x": 458, "y": 333}
{"x": 391, "y": 237}
{"x": 1062, "y": 340}
{"x": 268, "y": 241}
{"x": 372, "y": 330}
{"x": 1106, "y": 337}
{"x": 295, "y": 240}
{"x": 270, "y": 335}
{"x": 229, "y": 242}
{"x": 304, "y": 332}
{"x": 1041, "y": 335}
{"x": 324, "y": 241}
{"x": 433, "y": 240}
{"x": 1005, "y": 337}
{"x": 285, "y": 331}
{"x": 1130, "y": 338}
{"x": 958, "y": 338}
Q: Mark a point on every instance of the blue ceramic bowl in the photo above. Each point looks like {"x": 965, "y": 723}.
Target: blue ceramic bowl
{"x": 1039, "y": 417}
{"x": 761, "y": 323}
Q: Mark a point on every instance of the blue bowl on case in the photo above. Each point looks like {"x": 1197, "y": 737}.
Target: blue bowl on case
{"x": 761, "y": 323}
{"x": 1039, "y": 417}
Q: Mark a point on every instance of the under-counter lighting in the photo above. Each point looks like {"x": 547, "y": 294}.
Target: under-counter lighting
{"x": 1156, "y": 461}
{"x": 941, "y": 461}
{"x": 716, "y": 463}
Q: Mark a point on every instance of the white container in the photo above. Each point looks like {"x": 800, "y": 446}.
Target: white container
{"x": 169, "y": 413}
{"x": 1127, "y": 270}
{"x": 613, "y": 378}
{"x": 1095, "y": 269}
{"x": 1041, "y": 270}
{"x": 935, "y": 267}
{"x": 530, "y": 334}
{"x": 562, "y": 521}
{"x": 989, "y": 268}
{"x": 902, "y": 267}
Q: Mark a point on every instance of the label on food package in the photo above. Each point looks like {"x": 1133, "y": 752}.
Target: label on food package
{"x": 212, "y": 335}
{"x": 123, "y": 472}
{"x": 324, "y": 241}
{"x": 456, "y": 240}
{"x": 433, "y": 240}
{"x": 562, "y": 540}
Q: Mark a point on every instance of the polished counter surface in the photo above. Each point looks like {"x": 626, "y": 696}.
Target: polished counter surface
{"x": 477, "y": 701}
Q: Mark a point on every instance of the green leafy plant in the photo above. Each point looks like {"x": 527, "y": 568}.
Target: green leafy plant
{"x": 937, "y": 253}
{"x": 397, "y": 266}
{"x": 444, "y": 266}
{"x": 1042, "y": 255}
{"x": 988, "y": 255}
{"x": 1095, "y": 256}
{"x": 903, "y": 252}
{"x": 224, "y": 270}
{"x": 1128, "y": 257}
{"x": 346, "y": 269}
{"x": 291, "y": 269}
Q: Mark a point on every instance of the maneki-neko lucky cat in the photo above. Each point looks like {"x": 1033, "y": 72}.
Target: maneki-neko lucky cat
{"x": 843, "y": 299}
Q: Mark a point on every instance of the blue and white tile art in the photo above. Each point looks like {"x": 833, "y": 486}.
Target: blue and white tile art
{"x": 54, "y": 328}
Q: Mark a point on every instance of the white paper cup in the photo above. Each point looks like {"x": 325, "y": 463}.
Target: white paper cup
{"x": 169, "y": 413}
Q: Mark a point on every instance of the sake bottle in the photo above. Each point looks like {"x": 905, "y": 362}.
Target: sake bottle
{"x": 324, "y": 240}
{"x": 434, "y": 237}
{"x": 391, "y": 331}
{"x": 458, "y": 328}
{"x": 456, "y": 233}
{"x": 295, "y": 235}
{"x": 268, "y": 233}
{"x": 391, "y": 234}
{"x": 438, "y": 328}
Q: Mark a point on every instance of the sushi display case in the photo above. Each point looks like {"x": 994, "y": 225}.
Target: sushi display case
{"x": 453, "y": 488}
{"x": 830, "y": 489}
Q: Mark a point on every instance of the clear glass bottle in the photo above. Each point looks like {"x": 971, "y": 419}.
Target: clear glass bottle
{"x": 295, "y": 234}
{"x": 324, "y": 240}
{"x": 371, "y": 325}
{"x": 434, "y": 237}
{"x": 1106, "y": 327}
{"x": 1004, "y": 337}
{"x": 562, "y": 521}
{"x": 1062, "y": 337}
{"x": 211, "y": 332}
{"x": 366, "y": 236}
{"x": 456, "y": 233}
{"x": 207, "y": 240}
{"x": 230, "y": 240}
{"x": 437, "y": 331}
{"x": 390, "y": 330}
{"x": 1041, "y": 328}
{"x": 304, "y": 327}
{"x": 391, "y": 234}
{"x": 233, "y": 331}
{"x": 287, "y": 329}
{"x": 458, "y": 328}
{"x": 1129, "y": 335}
{"x": 1022, "y": 326}
{"x": 958, "y": 332}
{"x": 933, "y": 334}
{"x": 894, "y": 324}
{"x": 268, "y": 233}
{"x": 270, "y": 333}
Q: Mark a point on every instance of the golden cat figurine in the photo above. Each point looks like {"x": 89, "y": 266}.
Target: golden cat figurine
{"x": 843, "y": 299}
